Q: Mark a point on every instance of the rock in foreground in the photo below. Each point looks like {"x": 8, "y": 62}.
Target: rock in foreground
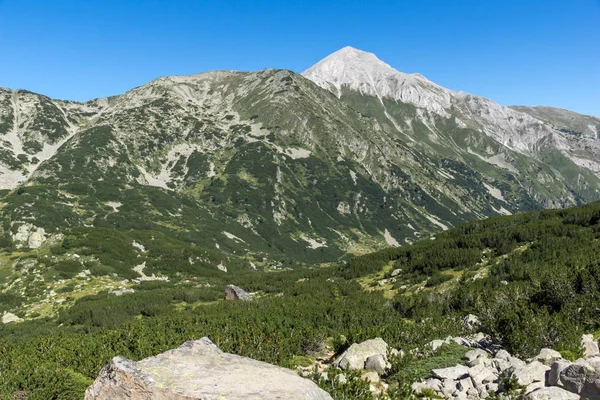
{"x": 199, "y": 370}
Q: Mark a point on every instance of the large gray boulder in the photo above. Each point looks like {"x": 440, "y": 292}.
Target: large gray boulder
{"x": 199, "y": 370}
{"x": 582, "y": 378}
{"x": 356, "y": 355}
{"x": 233, "y": 292}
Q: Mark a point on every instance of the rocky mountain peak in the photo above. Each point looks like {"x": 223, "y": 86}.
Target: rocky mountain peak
{"x": 358, "y": 70}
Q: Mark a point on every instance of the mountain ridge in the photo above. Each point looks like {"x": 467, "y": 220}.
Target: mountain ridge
{"x": 261, "y": 149}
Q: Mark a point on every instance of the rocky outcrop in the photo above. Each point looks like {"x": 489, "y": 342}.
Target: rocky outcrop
{"x": 199, "y": 370}
{"x": 546, "y": 376}
{"x": 233, "y": 292}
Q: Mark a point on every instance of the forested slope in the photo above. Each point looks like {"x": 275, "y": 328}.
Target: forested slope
{"x": 532, "y": 279}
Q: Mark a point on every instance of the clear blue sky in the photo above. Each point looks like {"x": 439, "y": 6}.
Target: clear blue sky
{"x": 511, "y": 51}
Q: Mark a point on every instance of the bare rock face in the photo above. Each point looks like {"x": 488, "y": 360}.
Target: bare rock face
{"x": 199, "y": 370}
{"x": 233, "y": 292}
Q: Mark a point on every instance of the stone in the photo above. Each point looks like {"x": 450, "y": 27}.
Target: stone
{"x": 503, "y": 355}
{"x": 500, "y": 365}
{"x": 435, "y": 344}
{"x": 233, "y": 292}
{"x": 582, "y": 378}
{"x": 548, "y": 356}
{"x": 534, "y": 386}
{"x": 396, "y": 272}
{"x": 556, "y": 369}
{"x": 7, "y": 318}
{"x": 448, "y": 387}
{"x": 552, "y": 393}
{"x": 370, "y": 376}
{"x": 341, "y": 379}
{"x": 516, "y": 363}
{"x": 480, "y": 373}
{"x": 462, "y": 341}
{"x": 433, "y": 384}
{"x": 377, "y": 363}
{"x": 471, "y": 322}
{"x": 452, "y": 373}
{"x": 533, "y": 372}
{"x": 471, "y": 355}
{"x": 199, "y": 370}
{"x": 464, "y": 384}
{"x": 491, "y": 387}
{"x": 590, "y": 346}
{"x": 356, "y": 355}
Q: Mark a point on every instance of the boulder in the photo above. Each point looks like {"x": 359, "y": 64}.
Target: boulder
{"x": 480, "y": 374}
{"x": 377, "y": 363}
{"x": 356, "y": 355}
{"x": 556, "y": 369}
{"x": 530, "y": 373}
{"x": 590, "y": 346}
{"x": 548, "y": 356}
{"x": 199, "y": 370}
{"x": 396, "y": 272}
{"x": 552, "y": 393}
{"x": 7, "y": 318}
{"x": 233, "y": 292}
{"x": 582, "y": 378}
{"x": 472, "y": 355}
{"x": 503, "y": 355}
{"x": 452, "y": 373}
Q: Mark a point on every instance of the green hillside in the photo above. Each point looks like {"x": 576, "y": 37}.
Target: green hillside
{"x": 532, "y": 279}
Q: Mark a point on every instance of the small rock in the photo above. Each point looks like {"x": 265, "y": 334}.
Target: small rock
{"x": 452, "y": 373}
{"x": 433, "y": 384}
{"x": 464, "y": 384}
{"x": 534, "y": 372}
{"x": 556, "y": 369}
{"x": 462, "y": 341}
{"x": 548, "y": 356}
{"x": 435, "y": 344}
{"x": 503, "y": 355}
{"x": 552, "y": 393}
{"x": 377, "y": 363}
{"x": 396, "y": 272}
{"x": 370, "y": 376}
{"x": 471, "y": 355}
{"x": 590, "y": 346}
{"x": 534, "y": 386}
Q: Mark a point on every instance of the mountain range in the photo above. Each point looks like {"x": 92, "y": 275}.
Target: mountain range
{"x": 273, "y": 168}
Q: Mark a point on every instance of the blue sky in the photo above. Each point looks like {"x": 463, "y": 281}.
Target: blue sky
{"x": 511, "y": 51}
